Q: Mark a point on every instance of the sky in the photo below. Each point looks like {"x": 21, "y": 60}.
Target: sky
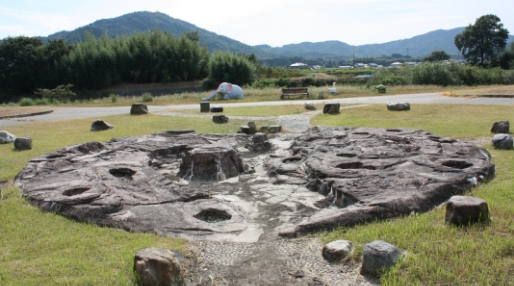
{"x": 272, "y": 22}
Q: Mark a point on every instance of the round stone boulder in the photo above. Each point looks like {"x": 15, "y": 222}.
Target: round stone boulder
{"x": 502, "y": 141}
{"x": 220, "y": 119}
{"x": 379, "y": 256}
{"x": 337, "y": 250}
{"x": 398, "y": 106}
{"x": 310, "y": 106}
{"x": 464, "y": 210}
{"x": 23, "y": 143}
{"x": 6, "y": 137}
{"x": 158, "y": 266}
{"x": 138, "y": 108}
{"x": 253, "y": 127}
{"x": 100, "y": 125}
{"x": 500, "y": 127}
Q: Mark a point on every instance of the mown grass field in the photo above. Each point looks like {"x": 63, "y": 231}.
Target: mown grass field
{"x": 440, "y": 254}
{"x": 39, "y": 248}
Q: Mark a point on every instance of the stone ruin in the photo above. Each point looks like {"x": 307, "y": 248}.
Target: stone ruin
{"x": 212, "y": 187}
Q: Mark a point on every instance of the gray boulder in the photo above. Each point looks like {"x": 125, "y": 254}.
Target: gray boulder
{"x": 398, "y": 106}
{"x": 337, "y": 250}
{"x": 463, "y": 210}
{"x": 275, "y": 129}
{"x": 252, "y": 126}
{"x": 502, "y": 141}
{"x": 332, "y": 108}
{"x": 310, "y": 106}
{"x": 500, "y": 127}
{"x": 379, "y": 256}
{"x": 138, "y": 108}
{"x": 205, "y": 106}
{"x": 158, "y": 266}
{"x": 100, "y": 125}
{"x": 23, "y": 143}
{"x": 216, "y": 108}
{"x": 220, "y": 119}
{"x": 244, "y": 129}
{"x": 6, "y": 137}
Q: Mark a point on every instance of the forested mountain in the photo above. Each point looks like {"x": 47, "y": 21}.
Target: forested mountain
{"x": 127, "y": 24}
{"x": 146, "y": 21}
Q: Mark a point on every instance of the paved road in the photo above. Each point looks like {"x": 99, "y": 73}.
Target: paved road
{"x": 64, "y": 113}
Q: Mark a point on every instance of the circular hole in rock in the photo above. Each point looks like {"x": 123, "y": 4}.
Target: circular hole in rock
{"x": 75, "y": 191}
{"x": 457, "y": 164}
{"x": 350, "y": 165}
{"x": 122, "y": 173}
{"x": 213, "y": 215}
{"x": 291, "y": 159}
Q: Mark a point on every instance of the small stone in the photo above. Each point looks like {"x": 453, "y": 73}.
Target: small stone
{"x": 332, "y": 108}
{"x": 216, "y": 109}
{"x": 264, "y": 129}
{"x": 6, "y": 137}
{"x": 205, "y": 106}
{"x": 275, "y": 129}
{"x": 380, "y": 255}
{"x": 100, "y": 125}
{"x": 252, "y": 126}
{"x": 23, "y": 143}
{"x": 310, "y": 105}
{"x": 500, "y": 127}
{"x": 337, "y": 250}
{"x": 158, "y": 266}
{"x": 396, "y": 106}
{"x": 502, "y": 141}
{"x": 138, "y": 108}
{"x": 244, "y": 129}
{"x": 220, "y": 118}
{"x": 259, "y": 138}
{"x": 463, "y": 210}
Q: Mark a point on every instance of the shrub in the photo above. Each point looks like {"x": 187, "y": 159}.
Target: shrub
{"x": 61, "y": 92}
{"x": 283, "y": 82}
{"x": 42, "y": 101}
{"x": 114, "y": 97}
{"x": 147, "y": 97}
{"x": 226, "y": 67}
{"x": 26, "y": 102}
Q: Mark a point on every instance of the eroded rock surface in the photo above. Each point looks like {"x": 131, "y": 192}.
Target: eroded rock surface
{"x": 378, "y": 173}
{"x": 213, "y": 187}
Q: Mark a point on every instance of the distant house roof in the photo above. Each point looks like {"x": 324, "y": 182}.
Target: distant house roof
{"x": 298, "y": 65}
{"x": 345, "y": 67}
{"x": 396, "y": 64}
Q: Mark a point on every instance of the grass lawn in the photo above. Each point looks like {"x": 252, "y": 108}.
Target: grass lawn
{"x": 41, "y": 248}
{"x": 440, "y": 254}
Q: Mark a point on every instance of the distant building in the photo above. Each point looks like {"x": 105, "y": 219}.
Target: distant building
{"x": 373, "y": 65}
{"x": 345, "y": 67}
{"x": 396, "y": 65}
{"x": 359, "y": 65}
{"x": 299, "y": 66}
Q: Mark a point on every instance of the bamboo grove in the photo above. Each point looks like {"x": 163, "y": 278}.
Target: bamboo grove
{"x": 26, "y": 63}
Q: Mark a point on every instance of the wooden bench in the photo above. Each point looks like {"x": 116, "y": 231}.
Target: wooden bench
{"x": 301, "y": 91}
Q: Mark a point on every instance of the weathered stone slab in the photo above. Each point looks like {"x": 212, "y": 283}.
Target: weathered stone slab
{"x": 379, "y": 256}
{"x": 158, "y": 266}
{"x": 375, "y": 174}
{"x": 464, "y": 210}
{"x": 100, "y": 125}
{"x": 138, "y": 109}
{"x": 500, "y": 127}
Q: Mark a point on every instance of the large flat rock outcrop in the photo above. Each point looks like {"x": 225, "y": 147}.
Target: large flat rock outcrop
{"x": 214, "y": 187}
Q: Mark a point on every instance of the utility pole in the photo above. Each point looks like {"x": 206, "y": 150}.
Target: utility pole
{"x": 353, "y": 59}
{"x": 407, "y": 51}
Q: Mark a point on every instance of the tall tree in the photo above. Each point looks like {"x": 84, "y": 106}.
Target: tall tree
{"x": 482, "y": 42}
{"x": 436, "y": 56}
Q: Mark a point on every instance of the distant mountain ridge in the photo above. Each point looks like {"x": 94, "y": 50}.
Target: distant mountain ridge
{"x": 144, "y": 21}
